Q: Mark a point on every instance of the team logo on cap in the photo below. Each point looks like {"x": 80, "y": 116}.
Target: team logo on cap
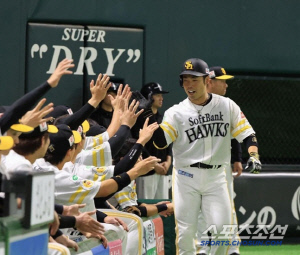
{"x": 43, "y": 127}
{"x": 188, "y": 65}
{"x": 51, "y": 148}
{"x": 223, "y": 70}
{"x": 212, "y": 74}
{"x": 71, "y": 140}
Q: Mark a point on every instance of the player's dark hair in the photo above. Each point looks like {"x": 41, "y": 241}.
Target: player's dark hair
{"x": 56, "y": 158}
{"x": 30, "y": 145}
{"x": 124, "y": 150}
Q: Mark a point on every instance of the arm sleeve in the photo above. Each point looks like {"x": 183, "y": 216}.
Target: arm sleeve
{"x": 129, "y": 160}
{"x": 100, "y": 216}
{"x": 21, "y": 106}
{"x": 57, "y": 234}
{"x": 59, "y": 208}
{"x": 66, "y": 221}
{"x": 76, "y": 119}
{"x": 116, "y": 142}
{"x": 236, "y": 151}
{"x": 159, "y": 139}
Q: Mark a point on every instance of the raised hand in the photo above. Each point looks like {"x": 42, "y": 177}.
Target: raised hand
{"x": 129, "y": 115}
{"x": 61, "y": 69}
{"x": 86, "y": 224}
{"x": 146, "y": 133}
{"x": 123, "y": 95}
{"x": 99, "y": 89}
{"x": 36, "y": 116}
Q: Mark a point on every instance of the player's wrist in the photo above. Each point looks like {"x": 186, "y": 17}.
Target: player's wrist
{"x": 254, "y": 155}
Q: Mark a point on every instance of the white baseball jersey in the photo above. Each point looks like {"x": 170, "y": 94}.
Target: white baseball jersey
{"x": 14, "y": 162}
{"x": 69, "y": 188}
{"x": 90, "y": 172}
{"x": 125, "y": 197}
{"x": 202, "y": 134}
{"x": 93, "y": 141}
{"x": 97, "y": 156}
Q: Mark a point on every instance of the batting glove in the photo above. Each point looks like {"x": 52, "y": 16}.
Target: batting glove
{"x": 253, "y": 163}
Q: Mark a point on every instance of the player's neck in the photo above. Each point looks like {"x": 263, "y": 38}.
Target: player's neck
{"x": 202, "y": 100}
{"x": 154, "y": 109}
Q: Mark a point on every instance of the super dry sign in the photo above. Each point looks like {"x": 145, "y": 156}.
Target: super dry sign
{"x": 118, "y": 52}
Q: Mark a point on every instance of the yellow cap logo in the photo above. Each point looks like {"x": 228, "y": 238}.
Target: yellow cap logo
{"x": 223, "y": 70}
{"x": 189, "y": 65}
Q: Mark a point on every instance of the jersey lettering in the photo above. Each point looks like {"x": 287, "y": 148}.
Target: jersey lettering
{"x": 201, "y": 119}
{"x": 203, "y": 131}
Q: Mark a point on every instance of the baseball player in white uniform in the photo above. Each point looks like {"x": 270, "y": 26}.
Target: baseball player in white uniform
{"x": 217, "y": 85}
{"x": 200, "y": 128}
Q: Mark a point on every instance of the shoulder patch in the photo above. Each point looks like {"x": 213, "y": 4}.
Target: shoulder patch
{"x": 87, "y": 184}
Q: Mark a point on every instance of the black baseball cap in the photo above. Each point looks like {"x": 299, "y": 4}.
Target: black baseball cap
{"x": 218, "y": 72}
{"x": 40, "y": 130}
{"x": 63, "y": 140}
{"x": 60, "y": 110}
{"x": 153, "y": 88}
{"x": 114, "y": 87}
{"x": 195, "y": 66}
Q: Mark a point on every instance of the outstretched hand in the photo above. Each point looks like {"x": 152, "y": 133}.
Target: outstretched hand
{"x": 60, "y": 70}
{"x": 99, "y": 89}
{"x": 147, "y": 132}
{"x": 36, "y": 116}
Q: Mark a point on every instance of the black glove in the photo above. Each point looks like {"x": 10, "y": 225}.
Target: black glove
{"x": 144, "y": 104}
{"x": 253, "y": 163}
{"x": 132, "y": 209}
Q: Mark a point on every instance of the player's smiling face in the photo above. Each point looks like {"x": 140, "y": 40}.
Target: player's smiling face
{"x": 194, "y": 87}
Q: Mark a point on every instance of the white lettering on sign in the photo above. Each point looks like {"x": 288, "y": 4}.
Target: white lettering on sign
{"x": 87, "y": 57}
{"x": 80, "y": 34}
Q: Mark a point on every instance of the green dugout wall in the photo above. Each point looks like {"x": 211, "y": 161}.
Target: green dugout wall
{"x": 259, "y": 37}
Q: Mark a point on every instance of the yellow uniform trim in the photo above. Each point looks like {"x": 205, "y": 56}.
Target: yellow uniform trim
{"x": 54, "y": 246}
{"x": 121, "y": 194}
{"x": 159, "y": 147}
{"x": 94, "y": 156}
{"x": 123, "y": 200}
{"x": 170, "y": 126}
{"x": 82, "y": 197}
{"x": 168, "y": 132}
{"x": 128, "y": 216}
{"x": 102, "y": 158}
{"x": 95, "y": 177}
{"x": 241, "y": 122}
{"x": 241, "y": 130}
{"x": 78, "y": 191}
{"x": 103, "y": 177}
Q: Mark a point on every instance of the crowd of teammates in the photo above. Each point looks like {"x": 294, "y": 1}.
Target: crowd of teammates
{"x": 96, "y": 151}
{"x": 39, "y": 137}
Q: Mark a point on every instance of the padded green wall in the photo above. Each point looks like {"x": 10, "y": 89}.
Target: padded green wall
{"x": 244, "y": 36}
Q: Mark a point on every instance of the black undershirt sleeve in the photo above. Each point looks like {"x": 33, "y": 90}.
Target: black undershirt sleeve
{"x": 236, "y": 151}
{"x": 57, "y": 234}
{"x": 116, "y": 142}
{"x": 250, "y": 141}
{"x": 59, "y": 208}
{"x": 129, "y": 160}
{"x": 21, "y": 106}
{"x": 159, "y": 138}
{"x": 66, "y": 221}
{"x": 100, "y": 216}
{"x": 76, "y": 119}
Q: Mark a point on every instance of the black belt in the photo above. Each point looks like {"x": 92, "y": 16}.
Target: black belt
{"x": 205, "y": 166}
